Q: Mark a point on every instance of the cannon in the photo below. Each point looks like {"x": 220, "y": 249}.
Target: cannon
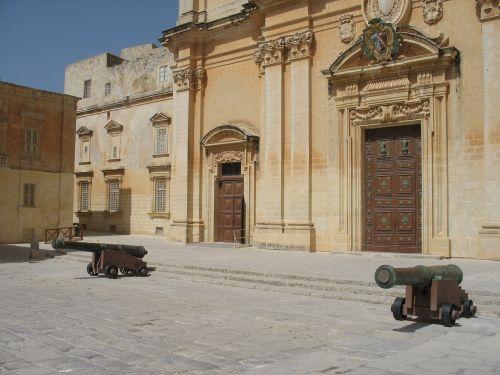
{"x": 109, "y": 258}
{"x": 431, "y": 292}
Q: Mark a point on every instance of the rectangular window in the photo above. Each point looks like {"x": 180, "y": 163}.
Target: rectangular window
{"x": 29, "y": 195}
{"x": 31, "y": 143}
{"x": 87, "y": 86}
{"x": 107, "y": 89}
{"x": 163, "y": 73}
{"x": 113, "y": 196}
{"x": 160, "y": 195}
{"x": 84, "y": 196}
{"x": 161, "y": 141}
{"x": 85, "y": 151}
{"x": 115, "y": 147}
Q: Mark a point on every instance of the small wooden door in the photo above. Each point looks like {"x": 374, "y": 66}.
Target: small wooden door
{"x": 231, "y": 207}
{"x": 393, "y": 213}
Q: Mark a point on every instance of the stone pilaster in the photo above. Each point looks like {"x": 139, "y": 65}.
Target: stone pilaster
{"x": 186, "y": 83}
{"x": 488, "y": 12}
{"x": 275, "y": 229}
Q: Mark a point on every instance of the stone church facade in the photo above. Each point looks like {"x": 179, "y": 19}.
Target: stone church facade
{"x": 336, "y": 125}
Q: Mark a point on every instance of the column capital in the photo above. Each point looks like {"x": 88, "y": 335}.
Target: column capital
{"x": 284, "y": 49}
{"x": 487, "y": 9}
{"x": 189, "y": 79}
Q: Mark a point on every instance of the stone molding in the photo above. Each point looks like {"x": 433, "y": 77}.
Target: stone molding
{"x": 347, "y": 28}
{"x": 432, "y": 11}
{"x": 113, "y": 127}
{"x": 229, "y": 156}
{"x": 487, "y": 9}
{"x": 386, "y": 84}
{"x": 377, "y": 114}
{"x": 84, "y": 132}
{"x": 284, "y": 49}
{"x": 189, "y": 79}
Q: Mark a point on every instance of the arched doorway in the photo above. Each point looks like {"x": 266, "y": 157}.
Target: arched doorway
{"x": 231, "y": 161}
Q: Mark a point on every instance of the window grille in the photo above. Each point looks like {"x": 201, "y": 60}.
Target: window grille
{"x": 107, "y": 89}
{"x": 113, "y": 196}
{"x": 84, "y": 196}
{"x": 160, "y": 195}
{"x": 86, "y": 88}
{"x": 29, "y": 195}
{"x": 163, "y": 73}
{"x": 231, "y": 169}
{"x": 161, "y": 141}
{"x": 31, "y": 143}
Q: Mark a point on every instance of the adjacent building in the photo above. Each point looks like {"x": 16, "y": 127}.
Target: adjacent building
{"x": 316, "y": 125}
{"x": 123, "y": 140}
{"x": 36, "y": 162}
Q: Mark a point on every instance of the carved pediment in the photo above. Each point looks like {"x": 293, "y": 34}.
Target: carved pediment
{"x": 228, "y": 134}
{"x": 84, "y": 132}
{"x": 160, "y": 117}
{"x": 113, "y": 127}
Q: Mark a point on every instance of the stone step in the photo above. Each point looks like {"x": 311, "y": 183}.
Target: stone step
{"x": 351, "y": 290}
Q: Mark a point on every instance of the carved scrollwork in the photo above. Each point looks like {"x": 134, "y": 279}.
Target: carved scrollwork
{"x": 390, "y": 113}
{"x": 228, "y": 156}
{"x": 187, "y": 79}
{"x": 283, "y": 49}
{"x": 487, "y": 8}
{"x": 432, "y": 11}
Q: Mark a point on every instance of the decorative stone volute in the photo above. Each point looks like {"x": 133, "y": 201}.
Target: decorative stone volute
{"x": 432, "y": 11}
{"x": 486, "y": 9}
{"x": 189, "y": 79}
{"x": 284, "y": 49}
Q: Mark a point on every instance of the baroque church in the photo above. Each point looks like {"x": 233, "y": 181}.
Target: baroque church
{"x": 315, "y": 125}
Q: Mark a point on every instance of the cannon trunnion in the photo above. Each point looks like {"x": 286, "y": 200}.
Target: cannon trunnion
{"x": 431, "y": 292}
{"x": 108, "y": 259}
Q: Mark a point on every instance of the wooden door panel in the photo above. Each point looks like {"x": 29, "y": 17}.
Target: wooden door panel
{"x": 231, "y": 207}
{"x": 393, "y": 183}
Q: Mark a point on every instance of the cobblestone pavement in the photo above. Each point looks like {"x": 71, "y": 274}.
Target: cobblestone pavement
{"x": 54, "y": 319}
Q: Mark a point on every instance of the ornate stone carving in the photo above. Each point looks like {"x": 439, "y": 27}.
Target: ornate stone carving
{"x": 432, "y": 10}
{"x": 487, "y": 8}
{"x": 390, "y": 113}
{"x": 387, "y": 84}
{"x": 347, "y": 28}
{"x": 283, "y": 49}
{"x": 228, "y": 156}
{"x": 380, "y": 42}
{"x": 396, "y": 12}
{"x": 424, "y": 78}
{"x": 188, "y": 78}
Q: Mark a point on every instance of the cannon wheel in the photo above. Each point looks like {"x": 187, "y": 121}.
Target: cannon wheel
{"x": 142, "y": 271}
{"x": 112, "y": 271}
{"x": 90, "y": 269}
{"x": 447, "y": 314}
{"x": 397, "y": 308}
{"x": 469, "y": 309}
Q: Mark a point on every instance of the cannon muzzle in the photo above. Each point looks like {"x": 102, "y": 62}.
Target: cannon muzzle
{"x": 137, "y": 251}
{"x": 420, "y": 276}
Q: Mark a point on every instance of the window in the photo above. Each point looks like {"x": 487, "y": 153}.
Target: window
{"x": 85, "y": 150}
{"x": 31, "y": 143}
{"x": 84, "y": 196}
{"x": 113, "y": 196}
{"x": 115, "y": 147}
{"x": 87, "y": 85}
{"x": 107, "y": 89}
{"x": 161, "y": 140}
{"x": 160, "y": 194}
{"x": 163, "y": 73}
{"x": 29, "y": 195}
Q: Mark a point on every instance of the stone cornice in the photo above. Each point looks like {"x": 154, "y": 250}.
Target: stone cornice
{"x": 487, "y": 9}
{"x": 189, "y": 79}
{"x": 284, "y": 49}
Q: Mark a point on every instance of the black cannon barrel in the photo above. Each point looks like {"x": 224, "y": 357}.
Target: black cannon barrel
{"x": 387, "y": 276}
{"x": 137, "y": 251}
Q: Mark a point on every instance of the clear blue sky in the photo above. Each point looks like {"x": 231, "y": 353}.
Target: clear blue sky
{"x": 38, "y": 38}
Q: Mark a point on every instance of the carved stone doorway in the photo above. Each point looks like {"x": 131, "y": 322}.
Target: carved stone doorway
{"x": 393, "y": 189}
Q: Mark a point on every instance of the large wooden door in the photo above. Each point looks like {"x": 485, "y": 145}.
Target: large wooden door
{"x": 231, "y": 207}
{"x": 393, "y": 190}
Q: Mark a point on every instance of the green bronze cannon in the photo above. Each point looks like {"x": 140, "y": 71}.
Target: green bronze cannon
{"x": 109, "y": 258}
{"x": 431, "y": 292}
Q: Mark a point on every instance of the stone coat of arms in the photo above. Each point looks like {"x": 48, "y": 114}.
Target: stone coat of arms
{"x": 380, "y": 41}
{"x": 396, "y": 12}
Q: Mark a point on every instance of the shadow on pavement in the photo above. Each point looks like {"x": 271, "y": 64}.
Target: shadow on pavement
{"x": 10, "y": 253}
